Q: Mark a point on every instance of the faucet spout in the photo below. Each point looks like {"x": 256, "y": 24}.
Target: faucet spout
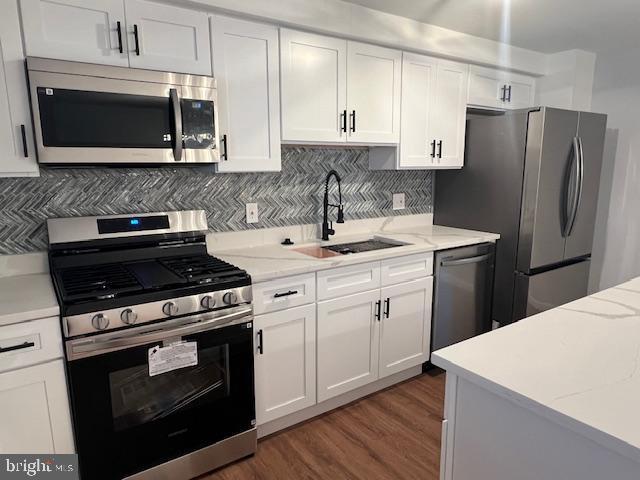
{"x": 327, "y": 227}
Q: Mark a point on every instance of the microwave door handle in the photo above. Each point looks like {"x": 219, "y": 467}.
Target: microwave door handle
{"x": 177, "y": 122}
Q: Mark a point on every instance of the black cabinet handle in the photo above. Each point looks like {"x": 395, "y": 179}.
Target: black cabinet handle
{"x": 377, "y": 314}
{"x": 136, "y": 37}
{"x": 433, "y": 149}
{"x": 353, "y": 120}
{"x": 286, "y": 294}
{"x": 387, "y": 307}
{"x": 260, "y": 346}
{"x": 509, "y": 97}
{"x": 503, "y": 97}
{"x": 224, "y": 155}
{"x": 20, "y": 346}
{"x": 343, "y": 121}
{"x": 119, "y": 29}
{"x": 25, "y": 150}
{"x": 440, "y": 149}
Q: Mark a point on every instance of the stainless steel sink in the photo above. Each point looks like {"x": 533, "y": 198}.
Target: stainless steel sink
{"x": 361, "y": 246}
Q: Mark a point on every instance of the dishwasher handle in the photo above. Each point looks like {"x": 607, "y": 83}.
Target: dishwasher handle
{"x": 466, "y": 261}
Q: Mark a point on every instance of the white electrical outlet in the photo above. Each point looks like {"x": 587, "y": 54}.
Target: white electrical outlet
{"x": 398, "y": 201}
{"x": 252, "y": 213}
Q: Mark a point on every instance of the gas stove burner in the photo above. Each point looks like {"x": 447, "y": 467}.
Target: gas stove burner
{"x": 121, "y": 276}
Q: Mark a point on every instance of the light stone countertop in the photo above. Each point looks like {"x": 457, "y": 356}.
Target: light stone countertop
{"x": 27, "y": 297}
{"x": 267, "y": 262}
{"x": 577, "y": 365}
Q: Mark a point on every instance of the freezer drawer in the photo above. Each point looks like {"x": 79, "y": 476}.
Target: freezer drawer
{"x": 543, "y": 291}
{"x": 462, "y": 297}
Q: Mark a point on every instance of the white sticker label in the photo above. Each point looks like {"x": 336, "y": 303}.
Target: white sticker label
{"x": 48, "y": 91}
{"x": 172, "y": 357}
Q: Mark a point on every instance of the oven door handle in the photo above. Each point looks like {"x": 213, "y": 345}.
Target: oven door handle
{"x": 199, "y": 323}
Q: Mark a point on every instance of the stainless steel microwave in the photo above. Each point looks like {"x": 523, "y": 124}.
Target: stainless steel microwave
{"x": 96, "y": 114}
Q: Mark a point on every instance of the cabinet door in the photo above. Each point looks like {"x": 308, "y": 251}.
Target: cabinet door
{"x": 17, "y": 153}
{"x": 78, "y": 30}
{"x": 405, "y": 330}
{"x": 522, "y": 93}
{"x": 373, "y": 93}
{"x": 285, "y": 362}
{"x": 347, "y": 343}
{"x": 245, "y": 65}
{"x": 449, "y": 115}
{"x": 34, "y": 410}
{"x": 418, "y": 84}
{"x": 314, "y": 78}
{"x": 168, "y": 38}
{"x": 486, "y": 87}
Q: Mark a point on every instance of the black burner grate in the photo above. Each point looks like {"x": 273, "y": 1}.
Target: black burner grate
{"x": 201, "y": 268}
{"x": 97, "y": 281}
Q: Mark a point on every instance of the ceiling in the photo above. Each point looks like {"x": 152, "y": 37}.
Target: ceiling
{"x": 543, "y": 25}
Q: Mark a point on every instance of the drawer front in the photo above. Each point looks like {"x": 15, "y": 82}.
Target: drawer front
{"x": 284, "y": 293}
{"x": 27, "y": 343}
{"x": 342, "y": 281}
{"x": 403, "y": 269}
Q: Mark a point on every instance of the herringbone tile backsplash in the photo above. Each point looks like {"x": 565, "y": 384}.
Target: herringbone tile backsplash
{"x": 290, "y": 197}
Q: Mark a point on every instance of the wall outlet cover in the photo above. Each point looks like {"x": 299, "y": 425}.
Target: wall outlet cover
{"x": 252, "y": 212}
{"x": 398, "y": 201}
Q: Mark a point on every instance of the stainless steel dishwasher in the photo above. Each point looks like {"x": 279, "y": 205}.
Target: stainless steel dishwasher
{"x": 463, "y": 293}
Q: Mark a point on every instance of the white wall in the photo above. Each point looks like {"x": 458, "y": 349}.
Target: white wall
{"x": 616, "y": 251}
{"x": 569, "y": 80}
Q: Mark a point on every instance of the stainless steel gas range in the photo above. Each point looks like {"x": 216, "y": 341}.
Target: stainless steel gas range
{"x": 159, "y": 345}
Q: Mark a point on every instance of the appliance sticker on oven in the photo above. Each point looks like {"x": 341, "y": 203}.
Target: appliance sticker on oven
{"x": 172, "y": 357}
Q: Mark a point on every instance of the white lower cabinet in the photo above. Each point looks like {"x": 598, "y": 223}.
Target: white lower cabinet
{"x": 347, "y": 343}
{"x": 285, "y": 362}
{"x": 405, "y": 330}
{"x": 34, "y": 410}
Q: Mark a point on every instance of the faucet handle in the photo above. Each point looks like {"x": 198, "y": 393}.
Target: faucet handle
{"x": 340, "y": 214}
{"x": 331, "y": 230}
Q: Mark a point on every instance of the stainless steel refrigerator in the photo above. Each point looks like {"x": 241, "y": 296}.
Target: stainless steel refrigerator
{"x": 532, "y": 176}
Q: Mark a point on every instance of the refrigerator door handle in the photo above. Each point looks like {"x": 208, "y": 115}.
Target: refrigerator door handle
{"x": 580, "y": 182}
{"x": 571, "y": 209}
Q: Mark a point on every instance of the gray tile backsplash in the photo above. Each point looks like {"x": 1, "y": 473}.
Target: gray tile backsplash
{"x": 290, "y": 197}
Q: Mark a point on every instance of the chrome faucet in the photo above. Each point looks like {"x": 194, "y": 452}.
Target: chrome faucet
{"x": 327, "y": 227}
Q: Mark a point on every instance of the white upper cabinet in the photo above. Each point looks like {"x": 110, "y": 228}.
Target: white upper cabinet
{"x": 373, "y": 93}
{"x": 434, "y": 96}
{"x": 448, "y": 119}
{"x": 405, "y": 331}
{"x": 78, "y": 30}
{"x": 338, "y": 91}
{"x": 418, "y": 86}
{"x": 154, "y": 36}
{"x": 245, "y": 65}
{"x": 497, "y": 89}
{"x": 163, "y": 37}
{"x": 17, "y": 151}
{"x": 313, "y": 72}
{"x": 285, "y": 362}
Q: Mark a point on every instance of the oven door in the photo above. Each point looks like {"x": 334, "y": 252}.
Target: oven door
{"x": 85, "y": 120}
{"x": 127, "y": 421}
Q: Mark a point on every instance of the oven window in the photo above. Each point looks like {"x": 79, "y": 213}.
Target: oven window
{"x": 137, "y": 398}
{"x": 75, "y": 118}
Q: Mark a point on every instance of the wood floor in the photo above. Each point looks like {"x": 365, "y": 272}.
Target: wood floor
{"x": 393, "y": 434}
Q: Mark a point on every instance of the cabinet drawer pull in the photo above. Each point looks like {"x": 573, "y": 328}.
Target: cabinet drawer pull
{"x": 19, "y": 346}
{"x": 285, "y": 294}
{"x": 23, "y": 132}
{"x": 387, "y": 307}
{"x": 260, "y": 346}
{"x": 119, "y": 30}
{"x": 136, "y": 37}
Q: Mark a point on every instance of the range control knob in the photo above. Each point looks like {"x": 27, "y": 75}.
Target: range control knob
{"x": 208, "y": 302}
{"x": 99, "y": 321}
{"x": 128, "y": 316}
{"x": 170, "y": 308}
{"x": 230, "y": 298}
